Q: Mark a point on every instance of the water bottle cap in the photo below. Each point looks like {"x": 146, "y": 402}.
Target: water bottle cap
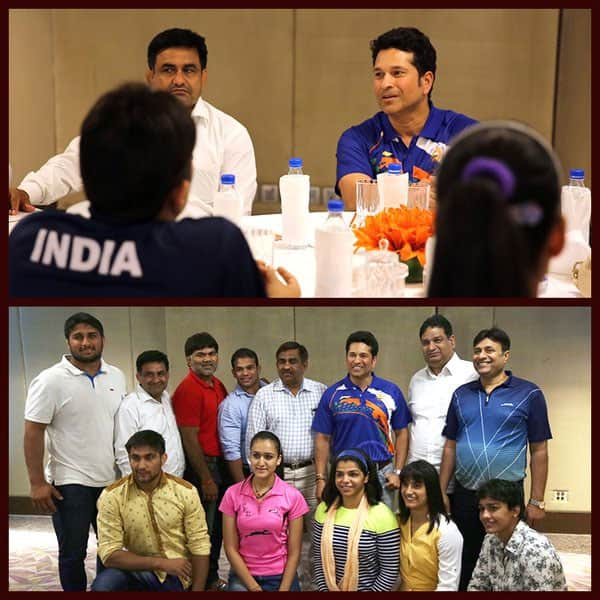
{"x": 227, "y": 179}
{"x": 395, "y": 168}
{"x": 335, "y": 205}
{"x": 576, "y": 174}
{"x": 295, "y": 163}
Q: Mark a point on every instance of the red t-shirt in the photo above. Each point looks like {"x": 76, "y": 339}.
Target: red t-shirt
{"x": 195, "y": 404}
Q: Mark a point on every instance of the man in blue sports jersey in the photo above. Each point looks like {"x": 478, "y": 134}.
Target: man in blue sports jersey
{"x": 409, "y": 129}
{"x": 490, "y": 423}
{"x": 361, "y": 411}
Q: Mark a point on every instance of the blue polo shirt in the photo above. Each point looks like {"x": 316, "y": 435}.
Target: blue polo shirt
{"x": 357, "y": 419}
{"x": 492, "y": 432}
{"x": 371, "y": 146}
{"x": 60, "y": 254}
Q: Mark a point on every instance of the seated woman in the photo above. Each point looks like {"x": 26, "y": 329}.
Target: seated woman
{"x": 430, "y": 543}
{"x": 498, "y": 218}
{"x": 513, "y": 556}
{"x": 355, "y": 535}
{"x": 262, "y": 524}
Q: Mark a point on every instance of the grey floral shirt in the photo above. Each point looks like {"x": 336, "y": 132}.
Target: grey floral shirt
{"x": 527, "y": 563}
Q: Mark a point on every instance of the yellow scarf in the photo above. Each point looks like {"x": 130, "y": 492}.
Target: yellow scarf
{"x": 349, "y": 582}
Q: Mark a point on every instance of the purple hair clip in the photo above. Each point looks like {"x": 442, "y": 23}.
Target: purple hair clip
{"x": 493, "y": 167}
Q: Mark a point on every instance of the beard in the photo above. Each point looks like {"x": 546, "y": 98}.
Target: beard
{"x": 86, "y": 358}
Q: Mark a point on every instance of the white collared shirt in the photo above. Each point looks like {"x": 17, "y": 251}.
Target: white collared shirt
{"x": 223, "y": 145}
{"x": 138, "y": 411}
{"x": 429, "y": 396}
{"x": 79, "y": 411}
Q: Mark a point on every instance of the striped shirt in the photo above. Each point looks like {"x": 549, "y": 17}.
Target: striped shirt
{"x": 378, "y": 548}
{"x": 289, "y": 417}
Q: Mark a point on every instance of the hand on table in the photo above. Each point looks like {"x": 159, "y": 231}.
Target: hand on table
{"x": 275, "y": 288}
{"x": 18, "y": 200}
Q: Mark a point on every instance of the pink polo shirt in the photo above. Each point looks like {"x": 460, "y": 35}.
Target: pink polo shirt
{"x": 263, "y": 527}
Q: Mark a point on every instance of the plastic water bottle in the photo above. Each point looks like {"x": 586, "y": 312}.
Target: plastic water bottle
{"x": 294, "y": 189}
{"x": 576, "y": 203}
{"x": 393, "y": 186}
{"x": 227, "y": 203}
{"x": 334, "y": 242}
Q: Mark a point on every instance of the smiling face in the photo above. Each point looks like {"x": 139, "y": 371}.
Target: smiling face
{"x": 496, "y": 517}
{"x": 489, "y": 359}
{"x": 359, "y": 361}
{"x": 246, "y": 373}
{"x": 414, "y": 494}
{"x": 204, "y": 362}
{"x": 85, "y": 343}
{"x": 437, "y": 348}
{"x": 178, "y": 71}
{"x": 264, "y": 459}
{"x": 350, "y": 481}
{"x": 396, "y": 82}
{"x": 154, "y": 378}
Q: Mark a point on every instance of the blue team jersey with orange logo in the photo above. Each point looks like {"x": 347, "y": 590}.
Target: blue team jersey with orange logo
{"x": 357, "y": 419}
{"x": 371, "y": 146}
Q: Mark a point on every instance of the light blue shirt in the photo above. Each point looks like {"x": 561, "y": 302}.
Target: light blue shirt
{"x": 232, "y": 422}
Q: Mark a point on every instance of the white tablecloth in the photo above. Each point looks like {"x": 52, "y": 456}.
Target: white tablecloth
{"x": 302, "y": 262}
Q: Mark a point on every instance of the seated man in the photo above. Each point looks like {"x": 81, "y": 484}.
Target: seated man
{"x": 152, "y": 533}
{"x": 177, "y": 60}
{"x": 409, "y": 130}
{"x": 136, "y": 155}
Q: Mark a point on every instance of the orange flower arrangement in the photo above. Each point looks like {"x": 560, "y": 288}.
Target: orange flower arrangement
{"x": 406, "y": 229}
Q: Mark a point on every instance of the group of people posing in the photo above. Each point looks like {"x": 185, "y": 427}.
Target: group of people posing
{"x": 150, "y": 155}
{"x": 346, "y": 487}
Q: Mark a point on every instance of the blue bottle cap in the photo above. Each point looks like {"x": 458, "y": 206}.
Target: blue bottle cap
{"x": 227, "y": 179}
{"x": 395, "y": 168}
{"x": 335, "y": 205}
{"x": 295, "y": 163}
{"x": 576, "y": 173}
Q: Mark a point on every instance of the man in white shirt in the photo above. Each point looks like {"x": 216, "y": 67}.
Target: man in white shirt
{"x": 431, "y": 388}
{"x": 177, "y": 60}
{"x": 149, "y": 407}
{"x": 71, "y": 406}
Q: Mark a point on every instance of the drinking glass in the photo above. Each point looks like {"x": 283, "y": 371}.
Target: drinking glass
{"x": 418, "y": 196}
{"x": 367, "y": 201}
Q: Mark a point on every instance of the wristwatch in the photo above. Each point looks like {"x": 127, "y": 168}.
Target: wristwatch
{"x": 397, "y": 472}
{"x": 539, "y": 503}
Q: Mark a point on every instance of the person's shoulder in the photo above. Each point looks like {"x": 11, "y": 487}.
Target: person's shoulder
{"x": 341, "y": 384}
{"x": 42, "y": 219}
{"x": 454, "y": 119}
{"x": 115, "y": 486}
{"x": 369, "y": 128}
{"x": 314, "y": 385}
{"x": 224, "y": 117}
{"x": 385, "y": 385}
{"x": 178, "y": 481}
{"x": 381, "y": 518}
{"x": 266, "y": 390}
{"x": 320, "y": 512}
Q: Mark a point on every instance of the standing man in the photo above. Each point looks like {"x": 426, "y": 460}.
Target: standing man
{"x": 286, "y": 407}
{"x": 177, "y": 60}
{"x": 72, "y": 406}
{"x": 430, "y": 390}
{"x": 195, "y": 402}
{"x": 361, "y": 411}
{"x": 489, "y": 425}
{"x": 409, "y": 129}
{"x": 233, "y": 412}
{"x": 152, "y": 533}
{"x": 149, "y": 407}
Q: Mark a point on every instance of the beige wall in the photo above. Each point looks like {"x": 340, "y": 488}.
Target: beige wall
{"x": 297, "y": 77}
{"x": 551, "y": 346}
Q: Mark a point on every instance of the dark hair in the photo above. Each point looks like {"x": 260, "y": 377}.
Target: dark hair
{"x": 177, "y": 38}
{"x": 82, "y": 317}
{"x": 498, "y": 199}
{"x": 136, "y": 146}
{"x": 373, "y": 489}
{"x": 496, "y": 335}
{"x": 436, "y": 321}
{"x": 420, "y": 471}
{"x": 270, "y": 436}
{"x": 146, "y": 437}
{"x": 363, "y": 337}
{"x": 293, "y": 346}
{"x": 243, "y": 353}
{"x": 149, "y": 356}
{"x": 199, "y": 341}
{"x": 408, "y": 39}
{"x": 509, "y": 492}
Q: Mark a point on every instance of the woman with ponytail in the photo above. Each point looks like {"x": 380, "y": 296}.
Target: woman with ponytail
{"x": 356, "y": 539}
{"x": 498, "y": 218}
